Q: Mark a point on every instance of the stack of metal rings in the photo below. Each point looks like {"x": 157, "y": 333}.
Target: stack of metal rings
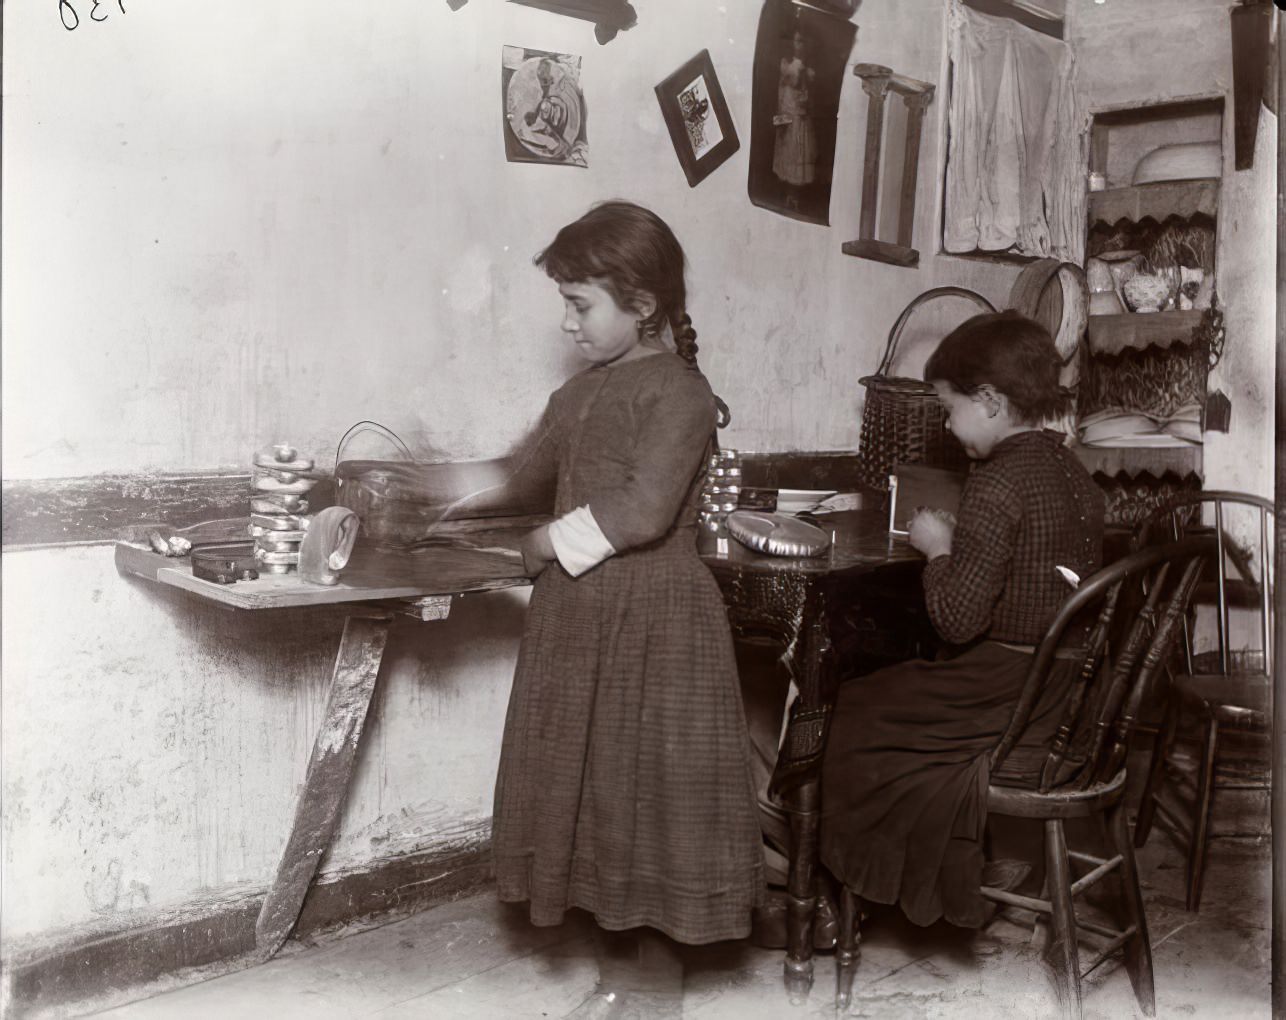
{"x": 722, "y": 491}
{"x": 281, "y": 479}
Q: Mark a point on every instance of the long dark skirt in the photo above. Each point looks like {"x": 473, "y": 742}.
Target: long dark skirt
{"x": 905, "y": 776}
{"x": 624, "y": 786}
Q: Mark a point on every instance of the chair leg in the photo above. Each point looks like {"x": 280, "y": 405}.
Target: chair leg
{"x": 1138, "y": 950}
{"x": 1156, "y": 772}
{"x": 801, "y": 888}
{"x": 848, "y": 949}
{"x": 1201, "y": 815}
{"x": 1062, "y": 953}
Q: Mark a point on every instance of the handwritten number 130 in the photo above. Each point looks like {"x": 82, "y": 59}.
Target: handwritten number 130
{"x": 71, "y": 20}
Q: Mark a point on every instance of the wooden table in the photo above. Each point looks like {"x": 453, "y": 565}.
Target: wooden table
{"x": 853, "y": 608}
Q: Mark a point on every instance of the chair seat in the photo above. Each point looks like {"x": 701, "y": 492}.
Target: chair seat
{"x": 1238, "y": 699}
{"x": 1017, "y": 802}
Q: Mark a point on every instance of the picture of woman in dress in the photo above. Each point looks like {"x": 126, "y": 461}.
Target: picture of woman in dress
{"x": 794, "y": 160}
{"x": 801, "y": 64}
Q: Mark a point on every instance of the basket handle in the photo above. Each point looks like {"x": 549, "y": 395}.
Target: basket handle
{"x": 928, "y": 295}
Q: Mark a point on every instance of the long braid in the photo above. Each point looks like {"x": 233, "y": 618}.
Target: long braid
{"x": 685, "y": 339}
{"x": 685, "y": 345}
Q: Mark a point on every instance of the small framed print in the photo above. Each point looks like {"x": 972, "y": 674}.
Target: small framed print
{"x": 697, "y": 115}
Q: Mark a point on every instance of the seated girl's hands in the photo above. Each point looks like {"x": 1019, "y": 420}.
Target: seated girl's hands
{"x": 537, "y": 550}
{"x": 931, "y": 532}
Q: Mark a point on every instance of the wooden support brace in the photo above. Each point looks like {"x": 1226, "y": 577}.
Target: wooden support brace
{"x": 330, "y": 768}
{"x": 429, "y": 607}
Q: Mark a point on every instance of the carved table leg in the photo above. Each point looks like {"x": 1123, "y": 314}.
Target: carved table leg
{"x": 330, "y": 768}
{"x": 804, "y": 804}
{"x": 801, "y": 890}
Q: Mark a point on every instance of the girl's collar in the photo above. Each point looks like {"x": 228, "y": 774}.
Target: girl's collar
{"x": 637, "y": 359}
{"x": 1029, "y": 436}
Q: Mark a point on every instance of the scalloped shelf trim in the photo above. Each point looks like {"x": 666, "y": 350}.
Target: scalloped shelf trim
{"x": 1157, "y": 202}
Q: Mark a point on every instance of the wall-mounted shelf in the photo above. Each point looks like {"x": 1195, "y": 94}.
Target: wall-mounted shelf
{"x": 1137, "y": 460}
{"x": 1159, "y": 201}
{"x": 1111, "y": 334}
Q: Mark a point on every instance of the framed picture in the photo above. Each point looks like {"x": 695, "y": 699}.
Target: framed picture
{"x": 801, "y": 53}
{"x": 544, "y": 109}
{"x": 700, "y": 125}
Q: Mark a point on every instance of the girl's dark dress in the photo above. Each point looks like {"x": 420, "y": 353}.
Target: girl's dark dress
{"x": 624, "y": 784}
{"x": 905, "y": 774}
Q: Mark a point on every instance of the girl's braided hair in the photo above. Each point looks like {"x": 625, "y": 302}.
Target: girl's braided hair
{"x": 632, "y": 252}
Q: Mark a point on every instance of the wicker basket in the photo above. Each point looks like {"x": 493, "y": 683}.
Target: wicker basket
{"x": 902, "y": 419}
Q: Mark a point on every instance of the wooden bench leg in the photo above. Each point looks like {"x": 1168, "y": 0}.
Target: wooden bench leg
{"x": 330, "y": 768}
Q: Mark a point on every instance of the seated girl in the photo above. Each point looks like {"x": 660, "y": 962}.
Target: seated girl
{"x": 906, "y": 769}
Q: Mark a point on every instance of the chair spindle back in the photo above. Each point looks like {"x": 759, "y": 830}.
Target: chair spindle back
{"x": 1101, "y": 708}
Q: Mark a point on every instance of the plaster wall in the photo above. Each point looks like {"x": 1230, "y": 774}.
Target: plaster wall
{"x": 236, "y": 223}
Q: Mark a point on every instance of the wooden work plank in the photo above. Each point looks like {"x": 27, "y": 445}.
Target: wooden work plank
{"x": 357, "y": 666}
{"x": 372, "y": 575}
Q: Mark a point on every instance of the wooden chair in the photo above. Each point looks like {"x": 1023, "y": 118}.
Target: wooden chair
{"x": 1222, "y": 690}
{"x": 1083, "y": 775}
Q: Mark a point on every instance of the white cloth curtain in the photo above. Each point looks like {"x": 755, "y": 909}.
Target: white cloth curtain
{"x": 1016, "y": 156}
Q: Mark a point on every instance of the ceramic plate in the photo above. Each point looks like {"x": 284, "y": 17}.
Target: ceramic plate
{"x": 1180, "y": 161}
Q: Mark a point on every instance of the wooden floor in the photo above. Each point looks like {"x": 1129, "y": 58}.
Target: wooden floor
{"x": 475, "y": 959}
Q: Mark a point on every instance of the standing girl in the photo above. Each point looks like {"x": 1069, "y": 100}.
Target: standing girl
{"x": 624, "y": 786}
{"x": 905, "y": 774}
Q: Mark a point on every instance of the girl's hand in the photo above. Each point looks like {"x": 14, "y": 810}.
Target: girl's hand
{"x": 537, "y": 550}
{"x": 931, "y": 532}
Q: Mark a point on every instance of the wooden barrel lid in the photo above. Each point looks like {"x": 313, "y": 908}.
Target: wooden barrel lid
{"x": 1056, "y": 294}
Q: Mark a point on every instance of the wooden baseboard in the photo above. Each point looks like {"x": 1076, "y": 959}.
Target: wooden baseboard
{"x": 118, "y": 967}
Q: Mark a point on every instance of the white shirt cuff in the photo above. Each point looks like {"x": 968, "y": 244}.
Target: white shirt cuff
{"x": 578, "y": 541}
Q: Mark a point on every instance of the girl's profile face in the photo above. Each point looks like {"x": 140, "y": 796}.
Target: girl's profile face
{"x": 976, "y": 419}
{"x": 602, "y": 330}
